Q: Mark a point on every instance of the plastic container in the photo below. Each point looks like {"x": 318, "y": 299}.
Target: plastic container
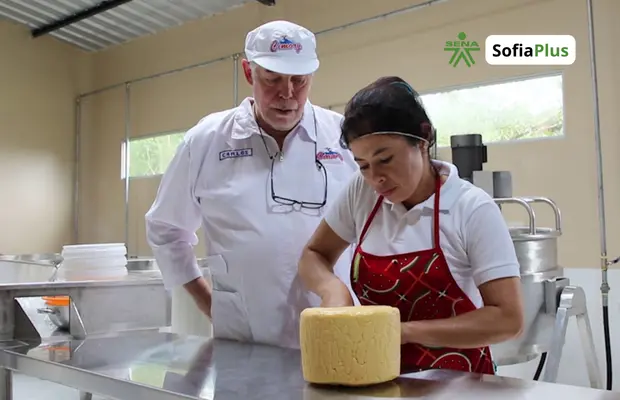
{"x": 94, "y": 274}
{"x": 93, "y": 251}
{"x": 94, "y": 261}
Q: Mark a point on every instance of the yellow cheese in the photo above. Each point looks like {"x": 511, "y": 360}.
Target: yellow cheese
{"x": 352, "y": 346}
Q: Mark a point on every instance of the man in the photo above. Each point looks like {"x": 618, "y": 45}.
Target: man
{"x": 258, "y": 177}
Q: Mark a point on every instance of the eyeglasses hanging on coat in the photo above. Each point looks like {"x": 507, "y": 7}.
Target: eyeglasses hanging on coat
{"x": 288, "y": 201}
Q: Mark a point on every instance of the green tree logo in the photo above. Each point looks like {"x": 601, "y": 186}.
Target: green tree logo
{"x": 461, "y": 50}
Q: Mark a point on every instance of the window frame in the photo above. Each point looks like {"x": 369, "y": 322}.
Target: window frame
{"x": 127, "y": 154}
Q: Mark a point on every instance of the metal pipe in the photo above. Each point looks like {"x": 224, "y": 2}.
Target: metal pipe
{"x": 599, "y": 155}
{"x": 76, "y": 172}
{"x": 601, "y": 195}
{"x": 403, "y": 10}
{"x": 235, "y": 80}
{"x": 126, "y": 161}
{"x": 78, "y": 16}
{"x": 157, "y": 75}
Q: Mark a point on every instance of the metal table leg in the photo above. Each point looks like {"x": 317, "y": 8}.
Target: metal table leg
{"x": 572, "y": 303}
{"x": 6, "y": 384}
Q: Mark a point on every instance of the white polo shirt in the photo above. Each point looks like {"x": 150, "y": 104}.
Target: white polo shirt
{"x": 473, "y": 233}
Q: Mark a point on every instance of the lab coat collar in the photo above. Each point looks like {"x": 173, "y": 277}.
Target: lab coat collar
{"x": 245, "y": 125}
{"x": 448, "y": 191}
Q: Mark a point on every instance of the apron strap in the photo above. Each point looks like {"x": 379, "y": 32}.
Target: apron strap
{"x": 371, "y": 216}
{"x": 375, "y": 209}
{"x": 436, "y": 212}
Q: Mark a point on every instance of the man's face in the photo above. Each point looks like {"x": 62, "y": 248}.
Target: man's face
{"x": 279, "y": 99}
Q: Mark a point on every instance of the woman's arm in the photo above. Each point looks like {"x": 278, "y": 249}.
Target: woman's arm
{"x": 495, "y": 268}
{"x": 316, "y": 267}
{"x": 331, "y": 238}
{"x": 500, "y": 319}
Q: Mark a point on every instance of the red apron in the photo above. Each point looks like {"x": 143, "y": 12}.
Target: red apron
{"x": 422, "y": 287}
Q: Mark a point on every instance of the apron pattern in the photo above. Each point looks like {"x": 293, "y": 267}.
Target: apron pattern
{"x": 422, "y": 287}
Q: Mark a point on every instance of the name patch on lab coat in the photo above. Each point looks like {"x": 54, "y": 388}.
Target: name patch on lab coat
{"x": 235, "y": 153}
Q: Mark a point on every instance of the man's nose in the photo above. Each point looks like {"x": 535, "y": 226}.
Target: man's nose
{"x": 286, "y": 89}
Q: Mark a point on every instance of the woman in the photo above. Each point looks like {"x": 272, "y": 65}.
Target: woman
{"x": 429, "y": 243}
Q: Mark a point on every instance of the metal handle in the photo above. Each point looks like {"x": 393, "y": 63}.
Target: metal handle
{"x": 46, "y": 311}
{"x": 526, "y": 205}
{"x": 554, "y": 207}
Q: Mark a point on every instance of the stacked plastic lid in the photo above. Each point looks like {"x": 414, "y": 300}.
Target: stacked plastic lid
{"x": 94, "y": 261}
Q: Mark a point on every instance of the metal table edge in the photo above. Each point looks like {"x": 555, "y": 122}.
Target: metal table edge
{"x": 82, "y": 380}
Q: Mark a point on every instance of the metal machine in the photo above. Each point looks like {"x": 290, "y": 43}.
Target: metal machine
{"x": 548, "y": 298}
{"x": 137, "y": 302}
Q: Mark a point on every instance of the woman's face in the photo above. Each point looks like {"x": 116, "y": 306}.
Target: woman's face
{"x": 390, "y": 164}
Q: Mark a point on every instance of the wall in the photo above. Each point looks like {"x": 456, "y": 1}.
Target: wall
{"x": 40, "y": 80}
{"x": 409, "y": 45}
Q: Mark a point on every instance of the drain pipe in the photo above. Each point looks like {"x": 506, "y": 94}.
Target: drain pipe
{"x": 601, "y": 197}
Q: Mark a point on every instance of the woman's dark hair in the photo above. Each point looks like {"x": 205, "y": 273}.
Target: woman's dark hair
{"x": 387, "y": 104}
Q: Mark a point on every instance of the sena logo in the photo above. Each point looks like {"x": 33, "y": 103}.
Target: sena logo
{"x": 285, "y": 44}
{"x": 329, "y": 155}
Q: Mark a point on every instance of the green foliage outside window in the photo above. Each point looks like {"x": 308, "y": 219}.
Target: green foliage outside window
{"x": 151, "y": 156}
{"x": 524, "y": 109}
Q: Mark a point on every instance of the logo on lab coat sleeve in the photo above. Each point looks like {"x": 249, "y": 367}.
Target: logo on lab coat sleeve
{"x": 235, "y": 153}
{"x": 329, "y": 154}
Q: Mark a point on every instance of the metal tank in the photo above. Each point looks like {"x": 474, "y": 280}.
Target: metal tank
{"x": 548, "y": 298}
{"x": 541, "y": 278}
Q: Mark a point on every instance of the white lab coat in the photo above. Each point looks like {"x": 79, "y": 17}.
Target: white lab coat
{"x": 220, "y": 177}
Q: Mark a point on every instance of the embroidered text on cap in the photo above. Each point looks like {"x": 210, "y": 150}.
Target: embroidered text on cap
{"x": 285, "y": 44}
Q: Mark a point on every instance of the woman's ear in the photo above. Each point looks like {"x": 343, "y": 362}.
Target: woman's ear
{"x": 423, "y": 146}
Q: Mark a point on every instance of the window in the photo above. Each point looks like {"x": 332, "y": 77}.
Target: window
{"x": 150, "y": 156}
{"x": 523, "y": 109}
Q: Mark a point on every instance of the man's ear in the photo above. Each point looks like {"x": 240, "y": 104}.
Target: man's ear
{"x": 247, "y": 71}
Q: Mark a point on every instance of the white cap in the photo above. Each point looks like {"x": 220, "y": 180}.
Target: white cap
{"x": 282, "y": 47}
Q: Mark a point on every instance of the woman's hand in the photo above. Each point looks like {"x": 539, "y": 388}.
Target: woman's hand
{"x": 316, "y": 267}
{"x": 336, "y": 294}
{"x": 403, "y": 333}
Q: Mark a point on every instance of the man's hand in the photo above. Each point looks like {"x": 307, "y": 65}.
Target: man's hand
{"x": 200, "y": 291}
{"x": 204, "y": 305}
{"x": 336, "y": 294}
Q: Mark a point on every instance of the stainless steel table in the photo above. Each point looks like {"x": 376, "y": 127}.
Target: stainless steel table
{"x": 153, "y": 365}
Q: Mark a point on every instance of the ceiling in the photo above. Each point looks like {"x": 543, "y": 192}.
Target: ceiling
{"x": 107, "y": 23}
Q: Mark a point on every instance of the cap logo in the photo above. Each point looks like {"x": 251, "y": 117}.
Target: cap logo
{"x": 285, "y": 44}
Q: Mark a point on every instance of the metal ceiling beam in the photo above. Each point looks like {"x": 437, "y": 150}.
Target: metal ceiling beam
{"x": 105, "y": 5}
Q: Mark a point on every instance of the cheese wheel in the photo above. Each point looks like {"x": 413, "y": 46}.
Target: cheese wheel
{"x": 352, "y": 346}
